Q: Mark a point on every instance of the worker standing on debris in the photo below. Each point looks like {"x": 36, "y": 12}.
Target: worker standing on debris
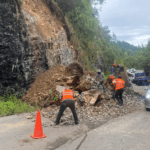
{"x": 67, "y": 100}
{"x": 114, "y": 85}
{"x": 119, "y": 89}
{"x": 112, "y": 68}
{"x": 100, "y": 78}
{"x": 110, "y": 79}
{"x": 112, "y": 82}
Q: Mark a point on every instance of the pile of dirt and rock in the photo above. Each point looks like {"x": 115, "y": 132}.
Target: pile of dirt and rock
{"x": 47, "y": 86}
{"x": 94, "y": 104}
{"x": 93, "y": 115}
{"x": 44, "y": 88}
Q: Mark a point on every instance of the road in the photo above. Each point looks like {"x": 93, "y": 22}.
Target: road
{"x": 127, "y": 132}
{"x": 15, "y": 134}
{"x": 140, "y": 89}
{"x": 130, "y": 132}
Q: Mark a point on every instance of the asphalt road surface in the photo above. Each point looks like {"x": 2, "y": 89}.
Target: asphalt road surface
{"x": 15, "y": 134}
{"x": 130, "y": 132}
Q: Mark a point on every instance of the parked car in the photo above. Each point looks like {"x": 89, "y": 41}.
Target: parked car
{"x": 133, "y": 70}
{"x": 131, "y": 76}
{"x": 129, "y": 70}
{"x": 147, "y": 99}
{"x": 141, "y": 79}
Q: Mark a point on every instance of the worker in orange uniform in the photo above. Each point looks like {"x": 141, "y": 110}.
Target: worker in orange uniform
{"x": 67, "y": 100}
{"x": 119, "y": 89}
{"x": 110, "y": 79}
{"x": 114, "y": 85}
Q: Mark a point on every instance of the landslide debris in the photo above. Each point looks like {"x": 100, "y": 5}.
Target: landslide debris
{"x": 94, "y": 105}
{"x": 45, "y": 89}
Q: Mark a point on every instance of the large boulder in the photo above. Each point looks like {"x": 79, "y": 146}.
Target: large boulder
{"x": 71, "y": 81}
{"x": 96, "y": 96}
{"x": 84, "y": 97}
{"x": 84, "y": 86}
{"x": 90, "y": 97}
{"x": 74, "y": 69}
{"x": 60, "y": 88}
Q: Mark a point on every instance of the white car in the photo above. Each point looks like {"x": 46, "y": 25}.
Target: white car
{"x": 131, "y": 76}
{"x": 133, "y": 70}
{"x": 147, "y": 99}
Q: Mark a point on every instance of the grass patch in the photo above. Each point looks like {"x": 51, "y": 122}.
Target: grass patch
{"x": 10, "y": 105}
{"x": 107, "y": 73}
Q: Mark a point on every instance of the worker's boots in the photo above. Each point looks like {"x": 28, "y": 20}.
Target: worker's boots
{"x": 119, "y": 101}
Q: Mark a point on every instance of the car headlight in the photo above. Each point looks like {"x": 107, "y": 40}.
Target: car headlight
{"x": 147, "y": 96}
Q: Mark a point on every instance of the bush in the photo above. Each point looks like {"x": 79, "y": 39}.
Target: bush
{"x": 107, "y": 74}
{"x": 10, "y": 105}
{"x": 20, "y": 2}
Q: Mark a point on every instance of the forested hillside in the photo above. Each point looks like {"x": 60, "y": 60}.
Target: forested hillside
{"x": 93, "y": 40}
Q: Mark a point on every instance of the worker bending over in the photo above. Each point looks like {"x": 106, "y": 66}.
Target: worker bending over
{"x": 110, "y": 79}
{"x": 67, "y": 100}
{"x": 113, "y": 84}
{"x": 119, "y": 89}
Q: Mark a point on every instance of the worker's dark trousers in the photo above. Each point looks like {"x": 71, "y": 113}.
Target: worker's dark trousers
{"x": 118, "y": 96}
{"x": 101, "y": 85}
{"x": 64, "y": 104}
{"x": 113, "y": 94}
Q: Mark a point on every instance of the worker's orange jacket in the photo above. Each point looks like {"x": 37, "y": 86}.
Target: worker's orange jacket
{"x": 67, "y": 94}
{"x": 114, "y": 82}
{"x": 112, "y": 77}
{"x": 119, "y": 84}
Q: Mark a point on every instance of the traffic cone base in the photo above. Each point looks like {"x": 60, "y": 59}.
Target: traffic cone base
{"x": 38, "y": 131}
{"x": 43, "y": 136}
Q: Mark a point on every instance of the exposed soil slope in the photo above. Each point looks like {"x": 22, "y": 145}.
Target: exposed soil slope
{"x": 44, "y": 87}
{"x": 47, "y": 24}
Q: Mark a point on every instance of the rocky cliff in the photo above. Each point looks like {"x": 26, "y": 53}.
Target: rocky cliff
{"x": 30, "y": 43}
{"x": 15, "y": 49}
{"x": 34, "y": 37}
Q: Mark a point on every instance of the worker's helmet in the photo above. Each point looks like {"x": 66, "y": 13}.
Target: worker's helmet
{"x": 111, "y": 77}
{"x": 114, "y": 65}
{"x": 99, "y": 71}
{"x": 120, "y": 76}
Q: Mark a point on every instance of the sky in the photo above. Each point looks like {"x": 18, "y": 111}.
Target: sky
{"x": 128, "y": 19}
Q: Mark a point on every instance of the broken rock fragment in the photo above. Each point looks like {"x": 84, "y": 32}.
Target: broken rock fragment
{"x": 60, "y": 88}
{"x": 84, "y": 86}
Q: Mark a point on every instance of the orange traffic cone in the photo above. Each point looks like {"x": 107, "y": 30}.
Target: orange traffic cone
{"x": 38, "y": 131}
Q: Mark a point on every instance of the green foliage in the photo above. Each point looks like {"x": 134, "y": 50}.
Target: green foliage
{"x": 119, "y": 62}
{"x": 20, "y": 2}
{"x": 10, "y": 105}
{"x": 107, "y": 73}
{"x": 86, "y": 33}
{"x": 55, "y": 98}
{"x": 92, "y": 40}
{"x": 11, "y": 91}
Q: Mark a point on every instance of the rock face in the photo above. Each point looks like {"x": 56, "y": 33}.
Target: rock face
{"x": 24, "y": 51}
{"x": 15, "y": 50}
{"x": 100, "y": 64}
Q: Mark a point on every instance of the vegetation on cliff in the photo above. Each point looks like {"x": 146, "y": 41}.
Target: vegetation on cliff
{"x": 92, "y": 40}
